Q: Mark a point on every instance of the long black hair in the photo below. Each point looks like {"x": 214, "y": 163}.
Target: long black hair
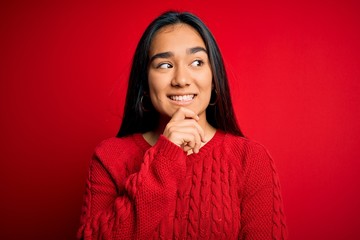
{"x": 139, "y": 114}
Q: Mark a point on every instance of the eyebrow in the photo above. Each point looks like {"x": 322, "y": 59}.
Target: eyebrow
{"x": 195, "y": 50}
{"x": 170, "y": 54}
{"x": 161, "y": 55}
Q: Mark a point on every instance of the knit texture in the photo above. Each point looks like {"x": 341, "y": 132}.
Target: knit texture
{"x": 229, "y": 190}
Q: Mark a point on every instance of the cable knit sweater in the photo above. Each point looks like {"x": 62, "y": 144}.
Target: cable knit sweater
{"x": 229, "y": 190}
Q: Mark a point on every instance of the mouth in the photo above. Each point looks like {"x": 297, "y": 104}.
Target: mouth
{"x": 182, "y": 98}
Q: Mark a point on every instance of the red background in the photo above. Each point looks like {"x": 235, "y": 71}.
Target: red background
{"x": 294, "y": 72}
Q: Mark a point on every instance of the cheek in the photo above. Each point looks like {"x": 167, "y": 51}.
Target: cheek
{"x": 208, "y": 85}
{"x": 156, "y": 91}
{"x": 153, "y": 92}
{"x": 206, "y": 82}
{"x": 208, "y": 94}
{"x": 158, "y": 82}
{"x": 152, "y": 84}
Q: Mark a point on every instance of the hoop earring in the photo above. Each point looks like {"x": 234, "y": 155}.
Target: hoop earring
{"x": 142, "y": 104}
{"x": 216, "y": 98}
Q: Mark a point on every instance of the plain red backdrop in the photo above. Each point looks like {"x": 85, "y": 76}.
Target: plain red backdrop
{"x": 294, "y": 71}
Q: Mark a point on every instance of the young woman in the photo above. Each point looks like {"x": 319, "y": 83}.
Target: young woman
{"x": 180, "y": 168}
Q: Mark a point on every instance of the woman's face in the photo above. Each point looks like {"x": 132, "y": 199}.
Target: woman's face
{"x": 179, "y": 71}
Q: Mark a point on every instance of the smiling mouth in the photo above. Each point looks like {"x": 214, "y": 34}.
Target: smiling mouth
{"x": 182, "y": 98}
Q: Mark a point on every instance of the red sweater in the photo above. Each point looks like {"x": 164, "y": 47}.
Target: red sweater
{"x": 229, "y": 190}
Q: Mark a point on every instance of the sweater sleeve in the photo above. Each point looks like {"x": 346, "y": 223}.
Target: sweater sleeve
{"x": 262, "y": 215}
{"x": 148, "y": 196}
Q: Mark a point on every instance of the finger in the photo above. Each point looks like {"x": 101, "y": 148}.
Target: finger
{"x": 184, "y": 113}
{"x": 193, "y": 141}
{"x": 187, "y": 144}
{"x": 190, "y": 123}
{"x": 186, "y": 126}
{"x": 186, "y": 148}
{"x": 188, "y": 141}
{"x": 196, "y": 126}
{"x": 197, "y": 145}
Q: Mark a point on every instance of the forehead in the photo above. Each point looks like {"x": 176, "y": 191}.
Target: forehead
{"x": 175, "y": 36}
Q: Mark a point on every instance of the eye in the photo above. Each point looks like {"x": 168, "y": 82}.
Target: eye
{"x": 197, "y": 63}
{"x": 164, "y": 65}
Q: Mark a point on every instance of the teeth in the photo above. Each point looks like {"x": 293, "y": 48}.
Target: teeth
{"x": 182, "y": 98}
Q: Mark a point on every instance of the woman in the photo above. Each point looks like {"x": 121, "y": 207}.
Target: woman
{"x": 180, "y": 168}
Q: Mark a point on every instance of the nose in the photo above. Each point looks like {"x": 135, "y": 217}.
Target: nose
{"x": 181, "y": 77}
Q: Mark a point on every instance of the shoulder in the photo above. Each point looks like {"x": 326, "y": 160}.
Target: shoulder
{"x": 243, "y": 146}
{"x": 246, "y": 154}
{"x": 116, "y": 149}
{"x": 113, "y": 144}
